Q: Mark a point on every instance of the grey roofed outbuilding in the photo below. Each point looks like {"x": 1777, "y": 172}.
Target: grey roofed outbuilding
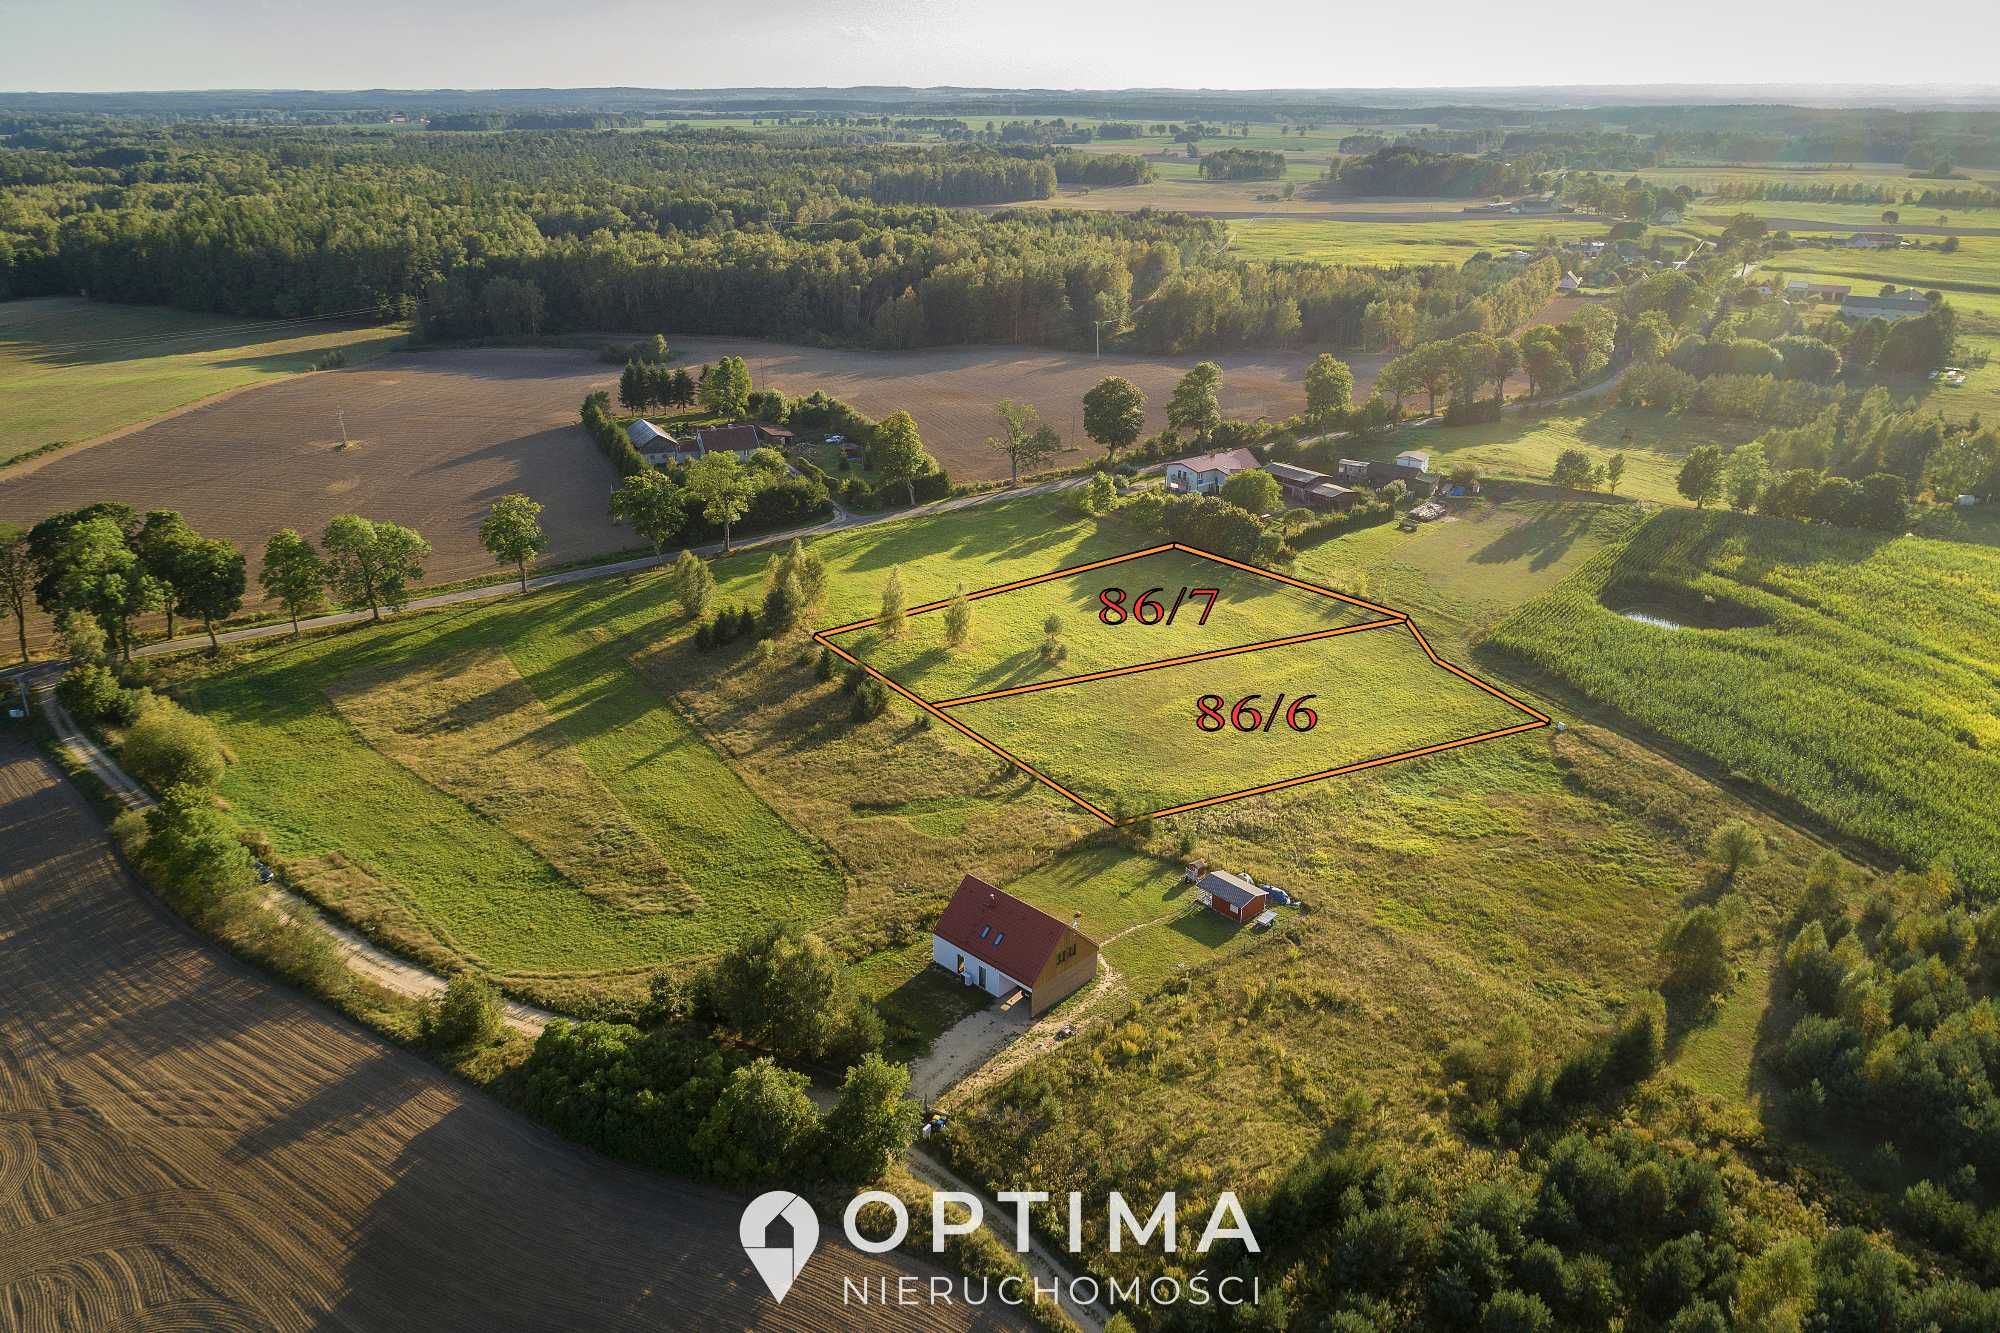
{"x": 1297, "y": 476}
{"x": 1899, "y": 306}
{"x": 643, "y": 432}
{"x": 1229, "y": 888}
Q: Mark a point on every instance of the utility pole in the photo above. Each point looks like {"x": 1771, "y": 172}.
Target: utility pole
{"x": 343, "y": 426}
{"x": 1097, "y": 327}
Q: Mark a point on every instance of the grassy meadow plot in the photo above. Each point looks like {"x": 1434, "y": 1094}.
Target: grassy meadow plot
{"x": 1006, "y": 646}
{"x": 1450, "y": 239}
{"x": 1525, "y": 446}
{"x": 1175, "y": 735}
{"x": 1852, "y": 673}
{"x": 551, "y": 820}
{"x": 73, "y": 370}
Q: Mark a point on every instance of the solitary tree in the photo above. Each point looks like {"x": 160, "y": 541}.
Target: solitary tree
{"x": 293, "y": 574}
{"x": 512, "y": 533}
{"x": 1194, "y": 405}
{"x": 210, "y": 584}
{"x": 1736, "y": 846}
{"x": 1329, "y": 389}
{"x": 1700, "y": 479}
{"x": 805, "y": 566}
{"x": 1575, "y": 471}
{"x": 649, "y": 503}
{"x": 17, "y": 578}
{"x": 958, "y": 620}
{"x": 693, "y": 585}
{"x": 1026, "y": 441}
{"x": 372, "y": 563}
{"x": 900, "y": 454}
{"x": 716, "y": 482}
{"x": 1614, "y": 471}
{"x": 893, "y": 618}
{"x": 1114, "y": 412}
{"x": 784, "y": 603}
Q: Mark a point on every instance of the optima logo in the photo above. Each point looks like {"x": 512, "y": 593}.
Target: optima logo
{"x": 779, "y": 1215}
{"x": 780, "y": 1232}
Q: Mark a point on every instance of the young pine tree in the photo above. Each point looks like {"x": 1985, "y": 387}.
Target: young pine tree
{"x": 958, "y": 620}
{"x": 693, "y": 585}
{"x": 894, "y": 621}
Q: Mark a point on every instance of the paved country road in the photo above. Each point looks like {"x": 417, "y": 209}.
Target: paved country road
{"x": 186, "y": 1144}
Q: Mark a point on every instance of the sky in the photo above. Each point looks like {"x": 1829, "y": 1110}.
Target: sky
{"x": 106, "y": 45}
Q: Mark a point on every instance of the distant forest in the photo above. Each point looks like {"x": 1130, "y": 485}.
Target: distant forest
{"x": 519, "y": 233}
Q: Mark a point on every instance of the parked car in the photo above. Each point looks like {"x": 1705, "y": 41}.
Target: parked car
{"x": 1277, "y": 895}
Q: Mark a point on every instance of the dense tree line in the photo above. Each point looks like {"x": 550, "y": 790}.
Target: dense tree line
{"x": 1417, "y": 171}
{"x": 1242, "y": 164}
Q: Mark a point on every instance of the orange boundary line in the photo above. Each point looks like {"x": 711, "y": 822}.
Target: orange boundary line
{"x": 1208, "y": 656}
{"x": 1344, "y": 768}
{"x": 1469, "y": 678}
{"x": 1392, "y": 616}
{"x": 966, "y": 731}
{"x": 1286, "y": 578}
{"x": 1009, "y": 587}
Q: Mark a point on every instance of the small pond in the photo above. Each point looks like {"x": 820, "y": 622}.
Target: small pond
{"x": 1649, "y": 618}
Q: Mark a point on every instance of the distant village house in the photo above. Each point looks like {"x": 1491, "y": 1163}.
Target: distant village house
{"x": 1205, "y": 473}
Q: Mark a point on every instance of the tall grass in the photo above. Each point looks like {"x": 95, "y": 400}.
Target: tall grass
{"x": 1859, "y": 678}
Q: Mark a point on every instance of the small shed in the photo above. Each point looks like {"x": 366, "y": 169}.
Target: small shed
{"x": 1230, "y": 895}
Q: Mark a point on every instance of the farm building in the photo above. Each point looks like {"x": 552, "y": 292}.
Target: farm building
{"x": 1800, "y": 289}
{"x": 1416, "y": 459}
{"x": 657, "y": 447}
{"x": 1312, "y": 490}
{"x": 739, "y": 440}
{"x": 1569, "y": 282}
{"x": 1205, "y": 473}
{"x": 990, "y": 939}
{"x": 1903, "y": 305}
{"x": 777, "y": 436}
{"x": 1874, "y": 240}
{"x": 1230, "y": 895}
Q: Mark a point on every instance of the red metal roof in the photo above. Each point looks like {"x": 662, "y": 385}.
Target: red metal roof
{"x": 1018, "y": 939}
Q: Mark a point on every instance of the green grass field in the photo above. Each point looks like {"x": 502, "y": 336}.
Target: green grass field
{"x": 1974, "y": 267}
{"x": 1452, "y": 239}
{"x": 73, "y": 370}
{"x": 1137, "y": 743}
{"x": 1856, "y": 679}
{"x": 1008, "y": 628}
{"x": 1718, "y": 212}
{"x": 1524, "y": 447}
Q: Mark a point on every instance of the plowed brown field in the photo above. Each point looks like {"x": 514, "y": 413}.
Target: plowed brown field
{"x": 184, "y": 1144}
{"x": 436, "y": 436}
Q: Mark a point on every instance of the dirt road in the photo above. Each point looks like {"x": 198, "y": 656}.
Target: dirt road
{"x": 185, "y": 1144}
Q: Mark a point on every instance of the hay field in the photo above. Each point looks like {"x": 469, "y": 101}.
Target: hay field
{"x": 184, "y": 1144}
{"x": 73, "y": 370}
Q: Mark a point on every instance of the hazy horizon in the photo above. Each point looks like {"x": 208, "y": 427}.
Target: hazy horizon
{"x": 109, "y": 46}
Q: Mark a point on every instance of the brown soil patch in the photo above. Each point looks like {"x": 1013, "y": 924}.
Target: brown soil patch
{"x": 185, "y": 1144}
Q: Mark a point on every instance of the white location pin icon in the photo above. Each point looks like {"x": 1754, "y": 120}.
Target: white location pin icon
{"x": 779, "y": 1258}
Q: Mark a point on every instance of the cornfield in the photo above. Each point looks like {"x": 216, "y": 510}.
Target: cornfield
{"x": 1857, "y": 674}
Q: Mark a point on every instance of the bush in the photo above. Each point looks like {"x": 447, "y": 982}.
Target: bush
{"x": 788, "y": 993}
{"x": 171, "y": 747}
{"x": 871, "y": 699}
{"x": 465, "y": 1015}
{"x": 94, "y": 695}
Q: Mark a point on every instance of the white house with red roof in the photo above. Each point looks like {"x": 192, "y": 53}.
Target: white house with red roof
{"x": 1205, "y": 473}
{"x": 988, "y": 938}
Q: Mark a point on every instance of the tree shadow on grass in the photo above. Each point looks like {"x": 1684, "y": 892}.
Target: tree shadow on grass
{"x": 1541, "y": 541}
